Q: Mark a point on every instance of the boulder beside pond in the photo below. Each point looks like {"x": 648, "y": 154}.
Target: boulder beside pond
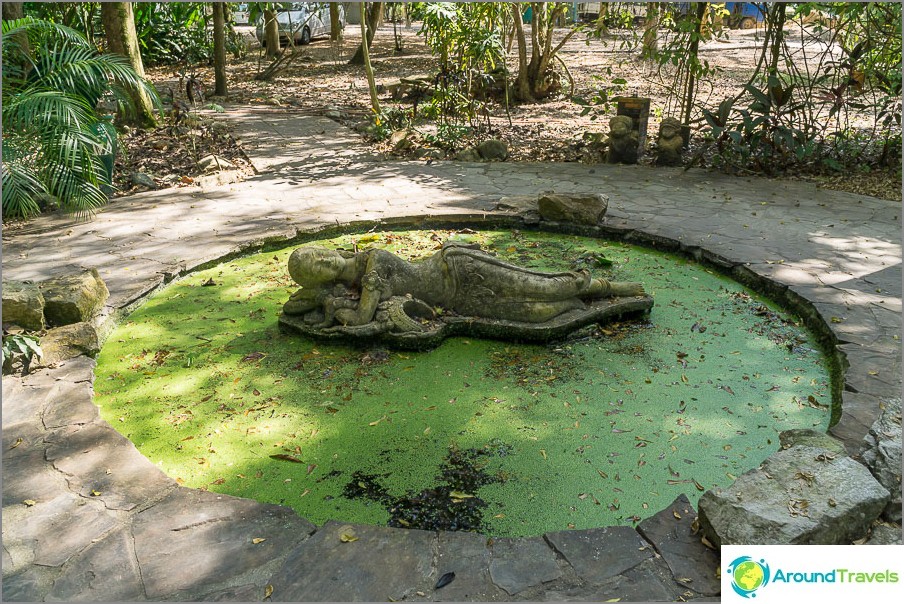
{"x": 882, "y": 455}
{"x": 801, "y": 495}
{"x": 579, "y": 208}
{"x": 23, "y": 305}
{"x": 73, "y": 298}
{"x": 67, "y": 342}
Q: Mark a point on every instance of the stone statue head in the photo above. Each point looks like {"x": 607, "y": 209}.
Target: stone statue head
{"x": 620, "y": 125}
{"x": 669, "y": 128}
{"x": 317, "y": 266}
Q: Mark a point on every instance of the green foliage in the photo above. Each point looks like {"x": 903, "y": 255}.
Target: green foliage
{"x": 173, "y": 32}
{"x": 53, "y": 139}
{"x": 602, "y": 102}
{"x": 19, "y": 346}
{"x": 764, "y": 136}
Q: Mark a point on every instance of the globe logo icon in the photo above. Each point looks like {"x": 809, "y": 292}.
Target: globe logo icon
{"x": 748, "y": 575}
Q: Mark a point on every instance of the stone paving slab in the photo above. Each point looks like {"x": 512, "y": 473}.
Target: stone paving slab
{"x": 357, "y": 563}
{"x": 193, "y": 541}
{"x": 519, "y": 564}
{"x": 160, "y": 541}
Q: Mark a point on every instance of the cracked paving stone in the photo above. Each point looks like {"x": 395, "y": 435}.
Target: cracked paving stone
{"x": 101, "y": 463}
{"x": 194, "y": 542}
{"x": 601, "y": 553}
{"x": 56, "y": 530}
{"x": 467, "y": 555}
{"x": 381, "y": 563}
{"x": 106, "y": 571}
{"x": 692, "y": 564}
{"x": 518, "y": 564}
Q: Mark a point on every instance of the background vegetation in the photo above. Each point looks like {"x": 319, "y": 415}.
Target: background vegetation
{"x": 823, "y": 98}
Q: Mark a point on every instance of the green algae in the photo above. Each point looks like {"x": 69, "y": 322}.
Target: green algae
{"x": 605, "y": 428}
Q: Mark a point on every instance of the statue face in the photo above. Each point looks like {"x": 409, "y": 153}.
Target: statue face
{"x": 315, "y": 266}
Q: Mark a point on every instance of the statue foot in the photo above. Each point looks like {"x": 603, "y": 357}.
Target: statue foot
{"x": 626, "y": 288}
{"x": 603, "y": 288}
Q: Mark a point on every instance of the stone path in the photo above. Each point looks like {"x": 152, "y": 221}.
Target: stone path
{"x": 101, "y": 522}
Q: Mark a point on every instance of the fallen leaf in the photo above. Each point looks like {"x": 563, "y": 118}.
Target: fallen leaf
{"x": 460, "y": 495}
{"x": 311, "y": 468}
{"x": 257, "y": 540}
{"x": 543, "y": 453}
{"x": 95, "y": 493}
{"x": 285, "y": 457}
{"x": 444, "y": 580}
{"x": 347, "y": 537}
{"x": 29, "y": 502}
{"x": 268, "y": 591}
{"x": 17, "y": 443}
{"x": 676, "y": 515}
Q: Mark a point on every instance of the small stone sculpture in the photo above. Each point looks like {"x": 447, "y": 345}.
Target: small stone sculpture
{"x": 623, "y": 141}
{"x": 459, "y": 289}
{"x": 670, "y": 143}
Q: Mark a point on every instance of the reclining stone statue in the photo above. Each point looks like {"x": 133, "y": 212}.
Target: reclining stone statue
{"x": 459, "y": 289}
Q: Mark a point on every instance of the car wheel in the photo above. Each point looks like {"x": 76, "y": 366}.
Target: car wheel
{"x": 305, "y": 36}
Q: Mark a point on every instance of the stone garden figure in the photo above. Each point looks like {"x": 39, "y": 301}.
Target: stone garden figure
{"x": 374, "y": 291}
{"x": 670, "y": 143}
{"x": 623, "y": 141}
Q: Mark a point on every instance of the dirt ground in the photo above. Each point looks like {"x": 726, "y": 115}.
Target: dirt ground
{"x": 319, "y": 81}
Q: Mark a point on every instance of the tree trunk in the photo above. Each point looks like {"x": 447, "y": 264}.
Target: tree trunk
{"x": 335, "y": 25}
{"x": 775, "y": 21}
{"x": 522, "y": 84}
{"x": 693, "y": 51}
{"x": 119, "y": 27}
{"x": 651, "y": 31}
{"x": 368, "y": 70}
{"x": 219, "y": 48}
{"x": 11, "y": 12}
{"x": 373, "y": 16}
{"x": 271, "y": 33}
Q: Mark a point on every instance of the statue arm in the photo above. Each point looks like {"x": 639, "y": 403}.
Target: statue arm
{"x": 372, "y": 289}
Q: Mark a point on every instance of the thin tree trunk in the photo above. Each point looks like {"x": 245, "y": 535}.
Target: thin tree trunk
{"x": 693, "y": 51}
{"x": 373, "y": 18}
{"x": 521, "y": 82}
{"x": 271, "y": 33}
{"x": 776, "y": 22}
{"x": 335, "y": 25}
{"x": 651, "y": 31}
{"x": 119, "y": 27}
{"x": 219, "y": 48}
{"x": 368, "y": 69}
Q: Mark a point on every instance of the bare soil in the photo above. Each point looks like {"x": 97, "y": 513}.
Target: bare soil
{"x": 319, "y": 81}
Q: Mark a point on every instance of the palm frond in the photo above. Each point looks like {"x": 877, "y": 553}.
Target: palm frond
{"x": 21, "y": 188}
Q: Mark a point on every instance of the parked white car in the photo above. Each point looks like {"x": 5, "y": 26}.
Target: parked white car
{"x": 241, "y": 15}
{"x": 303, "y": 22}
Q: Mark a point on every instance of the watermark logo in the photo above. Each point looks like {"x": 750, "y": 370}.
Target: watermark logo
{"x": 748, "y": 575}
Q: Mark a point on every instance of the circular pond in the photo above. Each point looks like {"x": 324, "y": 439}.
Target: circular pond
{"x": 605, "y": 428}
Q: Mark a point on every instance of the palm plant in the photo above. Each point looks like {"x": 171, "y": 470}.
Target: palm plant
{"x": 53, "y": 137}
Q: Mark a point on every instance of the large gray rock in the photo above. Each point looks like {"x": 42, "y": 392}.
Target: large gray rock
{"x": 811, "y": 438}
{"x": 23, "y": 305}
{"x": 882, "y": 455}
{"x": 798, "y": 496}
{"x": 580, "y": 208}
{"x": 68, "y": 342}
{"x": 73, "y": 298}
{"x": 493, "y": 150}
{"x": 470, "y": 154}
